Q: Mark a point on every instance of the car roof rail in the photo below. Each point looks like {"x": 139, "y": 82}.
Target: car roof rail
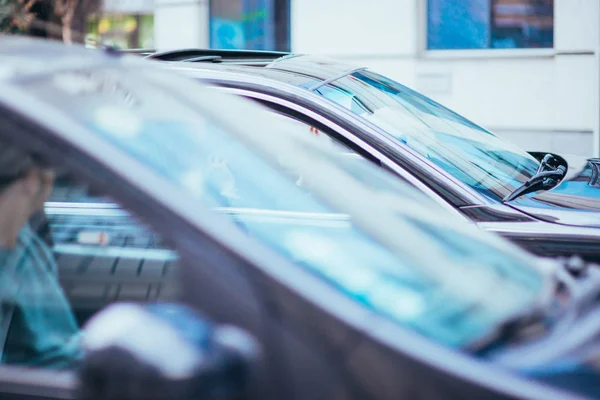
{"x": 213, "y": 55}
{"x": 141, "y": 52}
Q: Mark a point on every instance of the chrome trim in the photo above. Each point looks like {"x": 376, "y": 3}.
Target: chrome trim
{"x": 275, "y": 220}
{"x": 244, "y": 214}
{"x": 280, "y": 213}
{"x": 287, "y": 217}
{"x": 541, "y": 229}
{"x": 116, "y": 252}
{"x": 67, "y": 204}
{"x": 89, "y": 211}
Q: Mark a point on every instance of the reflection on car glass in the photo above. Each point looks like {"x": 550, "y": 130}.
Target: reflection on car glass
{"x": 453, "y": 143}
{"x": 80, "y": 254}
{"x": 38, "y": 327}
{"x": 105, "y": 254}
{"x": 90, "y": 82}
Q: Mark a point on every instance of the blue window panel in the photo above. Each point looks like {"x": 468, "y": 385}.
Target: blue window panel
{"x": 458, "y": 25}
{"x": 490, "y": 24}
{"x": 243, "y": 24}
{"x": 227, "y": 34}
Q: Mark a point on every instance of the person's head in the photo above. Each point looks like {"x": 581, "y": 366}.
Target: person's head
{"x": 25, "y": 180}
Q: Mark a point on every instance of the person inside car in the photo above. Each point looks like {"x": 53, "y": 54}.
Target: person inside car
{"x": 37, "y": 324}
{"x": 38, "y": 328}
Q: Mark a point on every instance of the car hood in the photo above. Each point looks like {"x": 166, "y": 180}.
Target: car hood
{"x": 575, "y": 201}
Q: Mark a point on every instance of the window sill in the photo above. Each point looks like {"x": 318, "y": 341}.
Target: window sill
{"x": 486, "y": 54}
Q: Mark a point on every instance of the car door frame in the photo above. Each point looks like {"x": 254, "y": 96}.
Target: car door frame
{"x": 340, "y": 133}
{"x": 165, "y": 208}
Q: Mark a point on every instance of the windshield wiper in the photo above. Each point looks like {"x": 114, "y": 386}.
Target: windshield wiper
{"x": 546, "y": 177}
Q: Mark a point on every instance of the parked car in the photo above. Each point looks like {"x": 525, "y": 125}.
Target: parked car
{"x": 356, "y": 285}
{"x": 547, "y": 203}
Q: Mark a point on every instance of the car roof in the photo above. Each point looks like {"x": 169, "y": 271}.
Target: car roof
{"x": 295, "y": 69}
{"x": 22, "y": 56}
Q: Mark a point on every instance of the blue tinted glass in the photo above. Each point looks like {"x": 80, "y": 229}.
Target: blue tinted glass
{"x": 490, "y": 24}
{"x": 473, "y": 155}
{"x": 319, "y": 238}
{"x": 458, "y": 24}
{"x": 243, "y": 24}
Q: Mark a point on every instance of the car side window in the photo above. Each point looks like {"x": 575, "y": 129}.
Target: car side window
{"x": 104, "y": 254}
{"x": 343, "y": 98}
{"x": 72, "y": 252}
{"x": 318, "y": 133}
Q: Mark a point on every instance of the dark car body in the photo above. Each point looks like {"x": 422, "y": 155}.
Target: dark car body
{"x": 563, "y": 221}
{"x": 395, "y": 313}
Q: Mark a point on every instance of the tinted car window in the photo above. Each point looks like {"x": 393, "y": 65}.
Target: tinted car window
{"x": 475, "y": 156}
{"x": 104, "y": 254}
{"x": 78, "y": 254}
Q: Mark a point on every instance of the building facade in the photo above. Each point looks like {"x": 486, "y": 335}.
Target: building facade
{"x": 526, "y": 69}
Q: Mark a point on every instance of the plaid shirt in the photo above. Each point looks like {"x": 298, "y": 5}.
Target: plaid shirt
{"x": 42, "y": 331}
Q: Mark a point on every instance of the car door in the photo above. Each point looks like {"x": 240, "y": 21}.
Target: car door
{"x": 105, "y": 254}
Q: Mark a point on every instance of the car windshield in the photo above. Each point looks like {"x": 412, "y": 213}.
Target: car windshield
{"x": 382, "y": 244}
{"x": 466, "y": 151}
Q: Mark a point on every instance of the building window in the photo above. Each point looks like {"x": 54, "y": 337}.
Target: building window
{"x": 124, "y": 31}
{"x": 250, "y": 24}
{"x": 490, "y": 24}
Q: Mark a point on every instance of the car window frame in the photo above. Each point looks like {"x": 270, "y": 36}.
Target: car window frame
{"x": 436, "y": 179}
{"x": 50, "y": 384}
{"x": 342, "y": 135}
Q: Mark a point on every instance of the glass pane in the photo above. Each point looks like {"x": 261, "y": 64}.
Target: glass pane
{"x": 522, "y": 24}
{"x": 490, "y": 24}
{"x": 78, "y": 254}
{"x": 458, "y": 24}
{"x": 473, "y": 155}
{"x": 242, "y": 24}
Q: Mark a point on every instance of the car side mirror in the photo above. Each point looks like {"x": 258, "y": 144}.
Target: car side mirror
{"x": 541, "y": 180}
{"x": 163, "y": 351}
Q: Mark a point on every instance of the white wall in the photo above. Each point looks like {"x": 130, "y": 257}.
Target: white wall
{"x": 354, "y": 27}
{"x": 541, "y": 100}
{"x": 181, "y": 24}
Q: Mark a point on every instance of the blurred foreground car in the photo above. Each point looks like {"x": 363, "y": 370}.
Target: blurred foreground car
{"x": 269, "y": 232}
{"x": 547, "y": 203}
